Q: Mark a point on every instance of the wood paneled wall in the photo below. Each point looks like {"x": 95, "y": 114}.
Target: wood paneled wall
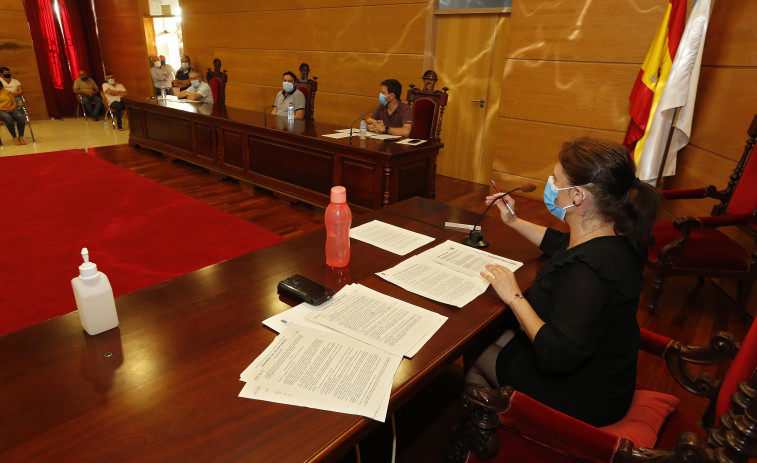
{"x": 351, "y": 46}
{"x": 121, "y": 27}
{"x": 17, "y": 53}
{"x": 571, "y": 66}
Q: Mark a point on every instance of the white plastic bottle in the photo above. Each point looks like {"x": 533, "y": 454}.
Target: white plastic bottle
{"x": 94, "y": 298}
{"x": 290, "y": 112}
{"x": 363, "y": 128}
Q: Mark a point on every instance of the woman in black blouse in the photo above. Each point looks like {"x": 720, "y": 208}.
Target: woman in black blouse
{"x": 577, "y": 339}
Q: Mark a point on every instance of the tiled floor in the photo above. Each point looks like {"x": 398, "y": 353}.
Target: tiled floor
{"x": 69, "y": 133}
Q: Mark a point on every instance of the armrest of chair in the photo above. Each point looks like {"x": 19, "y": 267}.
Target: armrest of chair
{"x": 536, "y": 422}
{"x": 722, "y": 348}
{"x": 726, "y": 220}
{"x": 654, "y": 343}
{"x": 693, "y": 193}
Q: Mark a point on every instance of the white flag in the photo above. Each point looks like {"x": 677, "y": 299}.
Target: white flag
{"x": 680, "y": 92}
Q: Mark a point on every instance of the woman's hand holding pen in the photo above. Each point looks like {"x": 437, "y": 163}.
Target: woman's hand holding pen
{"x": 504, "y": 211}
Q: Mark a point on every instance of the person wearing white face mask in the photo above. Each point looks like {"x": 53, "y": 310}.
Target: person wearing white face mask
{"x": 113, "y": 92}
{"x": 394, "y": 117}
{"x": 574, "y": 339}
{"x": 198, "y": 91}
{"x": 182, "y": 75}
{"x": 289, "y": 94}
{"x": 162, "y": 75}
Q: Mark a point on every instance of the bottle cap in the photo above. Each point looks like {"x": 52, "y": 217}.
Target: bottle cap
{"x": 338, "y": 194}
{"x": 87, "y": 269}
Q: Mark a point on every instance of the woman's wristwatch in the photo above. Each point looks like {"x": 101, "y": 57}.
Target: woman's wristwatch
{"x": 386, "y": 130}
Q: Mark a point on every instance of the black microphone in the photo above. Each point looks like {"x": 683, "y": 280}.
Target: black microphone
{"x": 475, "y": 238}
{"x": 371, "y": 110}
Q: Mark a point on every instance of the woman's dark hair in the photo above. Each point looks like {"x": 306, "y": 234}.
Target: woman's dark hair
{"x": 606, "y": 170}
{"x": 4, "y": 69}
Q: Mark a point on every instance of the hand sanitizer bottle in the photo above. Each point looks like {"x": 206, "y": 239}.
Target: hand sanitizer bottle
{"x": 94, "y": 298}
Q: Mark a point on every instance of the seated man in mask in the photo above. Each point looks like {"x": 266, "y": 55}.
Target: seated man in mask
{"x": 198, "y": 90}
{"x": 289, "y": 95}
{"x": 394, "y": 117}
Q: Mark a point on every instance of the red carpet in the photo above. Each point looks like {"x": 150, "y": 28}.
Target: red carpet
{"x": 138, "y": 232}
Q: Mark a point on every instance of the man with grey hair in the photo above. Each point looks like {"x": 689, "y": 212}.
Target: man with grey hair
{"x": 198, "y": 90}
{"x": 162, "y": 74}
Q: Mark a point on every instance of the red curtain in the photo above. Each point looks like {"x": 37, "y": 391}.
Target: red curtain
{"x": 65, "y": 41}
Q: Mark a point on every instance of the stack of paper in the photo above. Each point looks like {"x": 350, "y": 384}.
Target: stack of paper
{"x": 389, "y": 237}
{"x": 448, "y": 273}
{"x": 341, "y": 355}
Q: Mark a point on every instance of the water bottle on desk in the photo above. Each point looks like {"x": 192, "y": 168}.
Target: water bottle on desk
{"x": 338, "y": 222}
{"x": 290, "y": 112}
{"x": 163, "y": 93}
{"x": 363, "y": 129}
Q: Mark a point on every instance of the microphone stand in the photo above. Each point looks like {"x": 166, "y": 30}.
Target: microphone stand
{"x": 475, "y": 238}
{"x": 369, "y": 111}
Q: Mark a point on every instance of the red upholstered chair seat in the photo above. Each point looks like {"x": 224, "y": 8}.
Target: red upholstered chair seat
{"x": 424, "y": 111}
{"x": 305, "y": 91}
{"x": 509, "y": 426}
{"x": 215, "y": 87}
{"x": 706, "y": 248}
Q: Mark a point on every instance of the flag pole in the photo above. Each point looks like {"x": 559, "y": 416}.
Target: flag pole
{"x": 667, "y": 147}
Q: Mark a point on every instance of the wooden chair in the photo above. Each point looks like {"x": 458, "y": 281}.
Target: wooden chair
{"x": 428, "y": 108}
{"x": 81, "y": 106}
{"x": 21, "y": 101}
{"x": 217, "y": 81}
{"x": 694, "y": 246}
{"x": 109, "y": 113}
{"x": 508, "y": 426}
{"x": 308, "y": 87}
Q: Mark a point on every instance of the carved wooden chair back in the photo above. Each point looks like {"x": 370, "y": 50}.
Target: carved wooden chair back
{"x": 308, "y": 87}
{"x": 217, "y": 81}
{"x": 428, "y": 107}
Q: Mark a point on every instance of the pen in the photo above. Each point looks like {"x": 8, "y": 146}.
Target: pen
{"x": 509, "y": 208}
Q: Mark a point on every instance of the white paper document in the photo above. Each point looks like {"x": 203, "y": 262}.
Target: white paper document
{"x": 411, "y": 141}
{"x": 328, "y": 371}
{"x": 339, "y": 135}
{"x": 447, "y": 273}
{"x": 378, "y": 320}
{"x": 385, "y": 136}
{"x": 389, "y": 237}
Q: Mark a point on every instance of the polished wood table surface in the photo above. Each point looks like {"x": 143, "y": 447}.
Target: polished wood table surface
{"x": 163, "y": 386}
{"x": 290, "y": 158}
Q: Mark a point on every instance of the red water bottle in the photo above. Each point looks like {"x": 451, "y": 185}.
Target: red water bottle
{"x": 338, "y": 222}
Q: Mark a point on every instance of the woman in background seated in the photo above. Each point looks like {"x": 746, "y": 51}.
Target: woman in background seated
{"x": 8, "y": 112}
{"x": 15, "y": 87}
{"x": 576, "y": 340}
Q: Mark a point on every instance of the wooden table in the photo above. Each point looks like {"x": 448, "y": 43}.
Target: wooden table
{"x": 168, "y": 392}
{"x": 289, "y": 158}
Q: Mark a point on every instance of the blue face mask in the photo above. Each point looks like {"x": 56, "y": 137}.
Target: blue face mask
{"x": 382, "y": 99}
{"x": 196, "y": 83}
{"x": 185, "y": 65}
{"x": 550, "y": 195}
{"x": 288, "y": 87}
{"x": 162, "y": 62}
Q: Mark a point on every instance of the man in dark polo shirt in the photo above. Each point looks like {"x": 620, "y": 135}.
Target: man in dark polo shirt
{"x": 394, "y": 117}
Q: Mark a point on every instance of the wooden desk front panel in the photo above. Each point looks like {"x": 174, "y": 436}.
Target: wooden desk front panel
{"x": 292, "y": 159}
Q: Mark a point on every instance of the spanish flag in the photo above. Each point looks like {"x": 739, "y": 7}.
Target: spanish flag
{"x": 653, "y": 75}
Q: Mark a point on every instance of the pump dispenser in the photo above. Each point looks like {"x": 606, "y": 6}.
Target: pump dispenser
{"x": 94, "y": 298}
